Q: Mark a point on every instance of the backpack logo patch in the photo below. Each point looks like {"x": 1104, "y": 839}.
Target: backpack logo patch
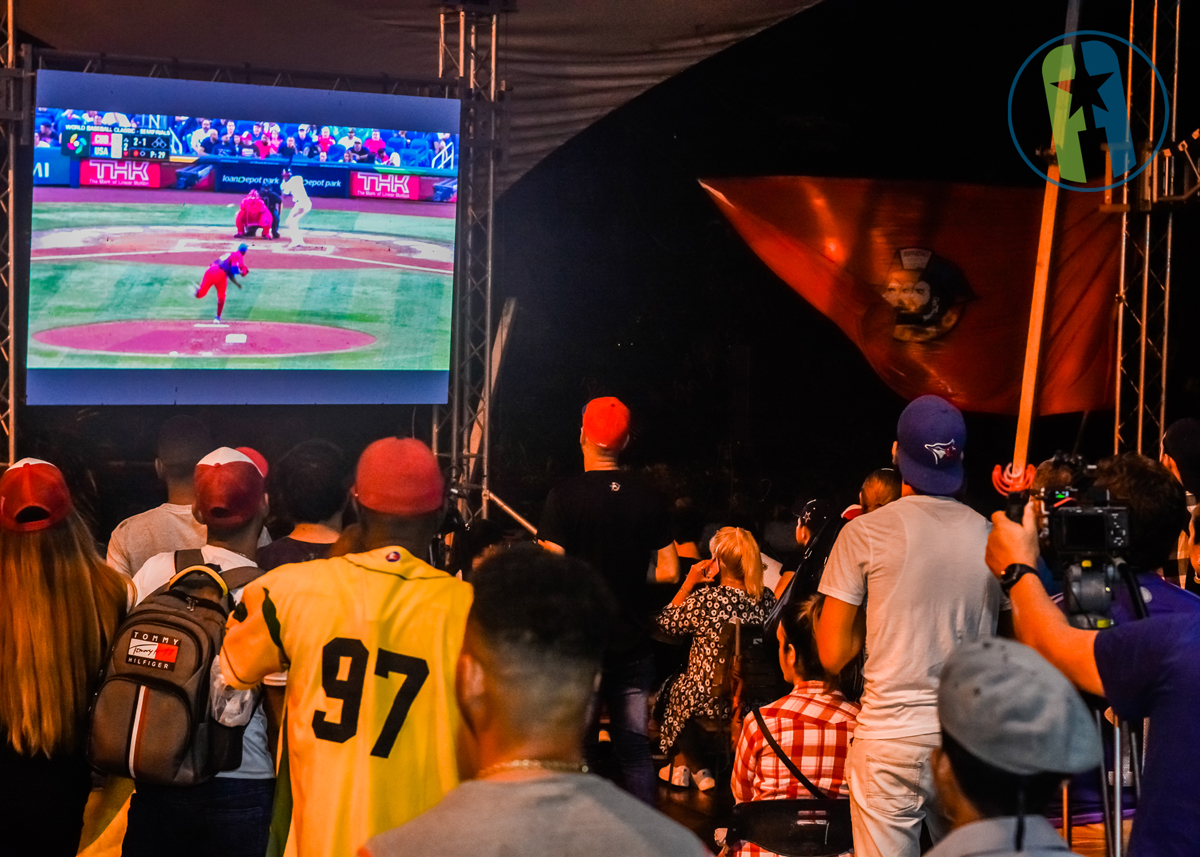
{"x": 156, "y": 651}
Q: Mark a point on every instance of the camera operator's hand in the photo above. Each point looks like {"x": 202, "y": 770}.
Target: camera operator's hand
{"x": 1010, "y": 542}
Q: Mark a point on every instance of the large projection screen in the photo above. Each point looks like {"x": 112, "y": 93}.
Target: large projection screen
{"x": 146, "y": 188}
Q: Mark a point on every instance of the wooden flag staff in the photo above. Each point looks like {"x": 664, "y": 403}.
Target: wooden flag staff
{"x": 1018, "y": 476}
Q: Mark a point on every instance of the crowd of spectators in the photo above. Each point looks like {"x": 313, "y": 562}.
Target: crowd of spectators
{"x": 866, "y": 695}
{"x": 290, "y": 141}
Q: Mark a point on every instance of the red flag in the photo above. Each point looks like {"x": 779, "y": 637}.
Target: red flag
{"x": 933, "y": 282}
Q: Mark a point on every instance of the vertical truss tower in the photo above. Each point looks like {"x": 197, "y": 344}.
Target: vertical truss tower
{"x": 467, "y": 58}
{"x": 1147, "y": 222}
{"x": 14, "y": 101}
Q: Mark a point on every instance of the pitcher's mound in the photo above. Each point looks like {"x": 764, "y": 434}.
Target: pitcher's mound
{"x": 205, "y": 338}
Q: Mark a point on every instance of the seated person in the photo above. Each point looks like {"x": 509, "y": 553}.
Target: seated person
{"x": 1012, "y": 729}
{"x": 310, "y": 485}
{"x": 374, "y": 144}
{"x": 288, "y": 149}
{"x": 526, "y": 678}
{"x": 265, "y": 147}
{"x": 813, "y": 724}
{"x": 362, "y": 155}
{"x": 246, "y": 148}
{"x": 728, "y": 585}
{"x": 208, "y": 144}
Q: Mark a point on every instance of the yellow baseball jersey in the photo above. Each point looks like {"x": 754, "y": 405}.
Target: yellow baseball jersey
{"x": 370, "y": 642}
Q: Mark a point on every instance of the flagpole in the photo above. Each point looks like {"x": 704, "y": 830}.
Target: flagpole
{"x": 1037, "y": 318}
{"x": 1018, "y": 476}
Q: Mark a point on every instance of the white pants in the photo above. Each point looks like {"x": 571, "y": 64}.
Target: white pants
{"x": 891, "y": 793}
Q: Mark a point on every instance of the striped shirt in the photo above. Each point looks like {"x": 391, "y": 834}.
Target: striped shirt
{"x": 814, "y": 728}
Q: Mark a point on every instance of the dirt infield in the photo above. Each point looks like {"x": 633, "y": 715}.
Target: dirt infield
{"x": 205, "y": 339}
{"x": 199, "y": 245}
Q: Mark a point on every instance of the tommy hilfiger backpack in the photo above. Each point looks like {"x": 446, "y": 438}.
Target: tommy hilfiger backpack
{"x": 150, "y": 718}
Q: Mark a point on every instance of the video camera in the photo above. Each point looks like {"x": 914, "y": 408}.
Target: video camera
{"x": 1084, "y": 538}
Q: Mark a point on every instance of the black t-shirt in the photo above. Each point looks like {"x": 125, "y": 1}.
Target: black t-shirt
{"x": 287, "y": 549}
{"x": 616, "y": 523}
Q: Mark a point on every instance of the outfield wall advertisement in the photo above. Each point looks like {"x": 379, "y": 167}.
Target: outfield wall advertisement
{"x": 229, "y": 244}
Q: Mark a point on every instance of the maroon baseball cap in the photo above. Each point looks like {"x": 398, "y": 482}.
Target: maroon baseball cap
{"x": 399, "y": 476}
{"x": 229, "y": 488}
{"x": 33, "y": 496}
{"x": 606, "y": 422}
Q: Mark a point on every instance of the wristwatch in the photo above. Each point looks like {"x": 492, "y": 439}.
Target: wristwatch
{"x": 1012, "y": 574}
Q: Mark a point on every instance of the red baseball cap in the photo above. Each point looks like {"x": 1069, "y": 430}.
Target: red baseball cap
{"x": 229, "y": 488}
{"x": 606, "y": 422}
{"x": 399, "y": 476}
{"x": 255, "y": 456}
{"x": 33, "y": 496}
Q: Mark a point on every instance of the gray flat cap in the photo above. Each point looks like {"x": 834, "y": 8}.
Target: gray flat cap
{"x": 1007, "y": 706}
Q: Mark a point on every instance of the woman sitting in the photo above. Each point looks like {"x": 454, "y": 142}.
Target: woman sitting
{"x": 813, "y": 725}
{"x": 717, "y": 590}
{"x": 59, "y": 608}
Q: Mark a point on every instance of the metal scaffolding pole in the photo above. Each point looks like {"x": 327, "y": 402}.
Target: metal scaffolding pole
{"x": 467, "y": 57}
{"x": 13, "y": 128}
{"x": 1147, "y": 227}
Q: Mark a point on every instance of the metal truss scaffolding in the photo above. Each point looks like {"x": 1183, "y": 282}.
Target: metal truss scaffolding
{"x": 13, "y": 103}
{"x": 1147, "y": 225}
{"x": 467, "y": 57}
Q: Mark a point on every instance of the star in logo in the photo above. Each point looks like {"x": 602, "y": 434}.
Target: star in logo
{"x": 1085, "y": 89}
{"x": 946, "y": 451}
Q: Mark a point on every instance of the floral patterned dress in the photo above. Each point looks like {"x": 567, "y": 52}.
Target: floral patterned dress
{"x": 702, "y": 615}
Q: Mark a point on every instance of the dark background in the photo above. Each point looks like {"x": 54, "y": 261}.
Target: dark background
{"x": 631, "y": 284}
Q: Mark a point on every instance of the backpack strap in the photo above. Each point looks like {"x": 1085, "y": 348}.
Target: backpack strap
{"x": 236, "y": 578}
{"x": 783, "y": 757}
{"x": 188, "y": 558}
{"x": 187, "y": 561}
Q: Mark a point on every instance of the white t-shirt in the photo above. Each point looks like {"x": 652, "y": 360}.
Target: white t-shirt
{"x": 168, "y": 527}
{"x": 256, "y": 754}
{"x": 295, "y": 187}
{"x": 919, "y": 563}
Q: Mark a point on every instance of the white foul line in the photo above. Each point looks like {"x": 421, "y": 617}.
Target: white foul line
{"x": 191, "y": 250}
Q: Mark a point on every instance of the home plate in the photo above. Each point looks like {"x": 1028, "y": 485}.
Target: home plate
{"x": 180, "y": 338}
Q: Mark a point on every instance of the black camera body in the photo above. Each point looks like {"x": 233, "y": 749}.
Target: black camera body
{"x": 1084, "y": 541}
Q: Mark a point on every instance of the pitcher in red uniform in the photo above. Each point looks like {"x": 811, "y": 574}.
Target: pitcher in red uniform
{"x": 220, "y": 272}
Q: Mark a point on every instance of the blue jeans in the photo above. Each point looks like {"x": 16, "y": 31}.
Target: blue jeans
{"x": 625, "y": 688}
{"x": 224, "y": 817}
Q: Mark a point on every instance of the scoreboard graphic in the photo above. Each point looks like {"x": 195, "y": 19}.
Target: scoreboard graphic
{"x": 92, "y": 141}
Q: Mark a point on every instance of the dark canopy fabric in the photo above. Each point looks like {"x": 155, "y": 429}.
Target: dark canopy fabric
{"x": 568, "y": 63}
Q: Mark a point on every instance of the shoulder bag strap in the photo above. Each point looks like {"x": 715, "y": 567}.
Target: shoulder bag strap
{"x": 783, "y": 757}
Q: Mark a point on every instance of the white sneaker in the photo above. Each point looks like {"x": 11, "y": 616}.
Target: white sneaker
{"x": 679, "y": 777}
{"x": 704, "y": 780}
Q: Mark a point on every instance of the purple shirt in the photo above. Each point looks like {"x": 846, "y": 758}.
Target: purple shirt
{"x": 1149, "y": 669}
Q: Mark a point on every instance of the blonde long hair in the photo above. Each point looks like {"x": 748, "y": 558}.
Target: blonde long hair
{"x": 59, "y": 607}
{"x": 737, "y": 551}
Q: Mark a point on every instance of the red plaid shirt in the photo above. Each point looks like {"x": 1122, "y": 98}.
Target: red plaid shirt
{"x": 814, "y": 728}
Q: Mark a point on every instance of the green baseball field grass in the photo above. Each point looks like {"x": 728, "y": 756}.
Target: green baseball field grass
{"x": 385, "y": 275}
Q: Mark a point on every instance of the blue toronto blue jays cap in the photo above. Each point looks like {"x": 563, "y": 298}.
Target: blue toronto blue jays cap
{"x": 930, "y": 439}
